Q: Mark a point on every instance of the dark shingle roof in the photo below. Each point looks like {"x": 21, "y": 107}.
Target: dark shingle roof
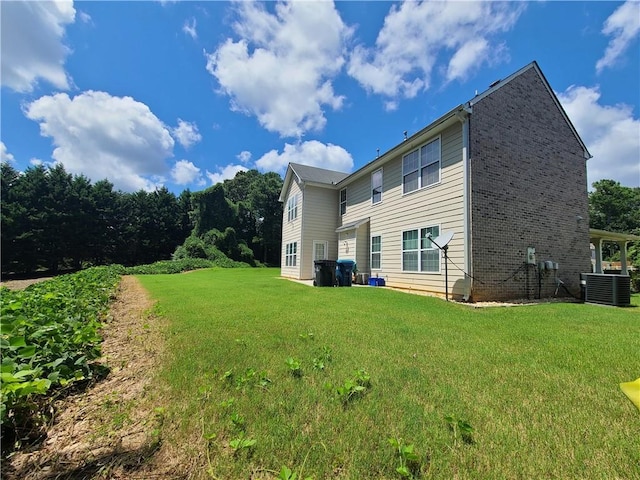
{"x": 317, "y": 175}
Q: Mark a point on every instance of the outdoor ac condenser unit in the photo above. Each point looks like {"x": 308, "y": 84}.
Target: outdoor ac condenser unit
{"x": 608, "y": 289}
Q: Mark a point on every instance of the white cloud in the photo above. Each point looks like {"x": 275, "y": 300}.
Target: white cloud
{"x": 280, "y": 70}
{"x": 36, "y": 161}
{"x": 225, "y": 173}
{"x": 244, "y": 156}
{"x": 102, "y": 136}
{"x": 189, "y": 28}
{"x": 32, "y": 46}
{"x": 611, "y": 133}
{"x": 185, "y": 172}
{"x": 186, "y": 133}
{"x": 85, "y": 17}
{"x": 416, "y": 34}
{"x": 314, "y": 153}
{"x": 623, "y": 26}
{"x": 4, "y": 155}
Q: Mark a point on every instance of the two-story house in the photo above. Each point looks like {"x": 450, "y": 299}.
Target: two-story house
{"x": 505, "y": 173}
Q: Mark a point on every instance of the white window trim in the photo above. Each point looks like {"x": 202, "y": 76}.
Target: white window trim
{"x": 326, "y": 248}
{"x": 420, "y": 186}
{"x": 340, "y": 202}
{"x": 419, "y": 271}
{"x": 381, "y": 186}
{"x": 371, "y": 252}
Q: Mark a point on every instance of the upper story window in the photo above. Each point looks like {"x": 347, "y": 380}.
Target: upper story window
{"x": 343, "y": 201}
{"x": 292, "y": 208}
{"x": 421, "y": 167}
{"x": 376, "y": 186}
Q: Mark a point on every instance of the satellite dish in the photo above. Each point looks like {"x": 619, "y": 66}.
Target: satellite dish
{"x": 443, "y": 240}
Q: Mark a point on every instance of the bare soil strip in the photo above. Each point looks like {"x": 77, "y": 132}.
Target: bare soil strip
{"x": 111, "y": 430}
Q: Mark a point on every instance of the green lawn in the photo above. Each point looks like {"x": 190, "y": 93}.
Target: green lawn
{"x": 539, "y": 385}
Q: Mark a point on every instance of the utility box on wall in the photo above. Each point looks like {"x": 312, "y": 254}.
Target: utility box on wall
{"x": 531, "y": 256}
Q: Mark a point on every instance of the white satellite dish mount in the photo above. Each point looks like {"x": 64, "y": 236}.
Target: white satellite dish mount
{"x": 442, "y": 242}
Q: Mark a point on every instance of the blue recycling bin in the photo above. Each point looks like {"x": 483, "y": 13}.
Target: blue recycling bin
{"x": 344, "y": 272}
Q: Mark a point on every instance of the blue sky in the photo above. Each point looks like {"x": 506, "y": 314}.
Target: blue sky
{"x": 185, "y": 94}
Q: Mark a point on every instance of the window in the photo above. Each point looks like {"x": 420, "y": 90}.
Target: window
{"x": 421, "y": 167}
{"x": 419, "y": 254}
{"x": 376, "y": 252}
{"x": 343, "y": 201}
{"x": 291, "y": 254}
{"x": 292, "y": 208}
{"x": 319, "y": 250}
{"x": 376, "y": 186}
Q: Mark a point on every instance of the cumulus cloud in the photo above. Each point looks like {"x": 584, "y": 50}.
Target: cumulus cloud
{"x": 5, "y": 156}
{"x": 313, "y": 153}
{"x": 244, "y": 156}
{"x": 189, "y": 28}
{"x": 416, "y": 34}
{"x": 186, "y": 133}
{"x": 611, "y": 133}
{"x": 225, "y": 173}
{"x": 623, "y": 26}
{"x": 280, "y": 70}
{"x": 102, "y": 136}
{"x": 32, "y": 43}
{"x": 185, "y": 172}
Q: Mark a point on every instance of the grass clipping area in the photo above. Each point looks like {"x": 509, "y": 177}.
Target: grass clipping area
{"x": 265, "y": 378}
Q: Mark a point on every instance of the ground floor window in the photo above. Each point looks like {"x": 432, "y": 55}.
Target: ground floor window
{"x": 419, "y": 254}
{"x": 291, "y": 254}
{"x": 376, "y": 252}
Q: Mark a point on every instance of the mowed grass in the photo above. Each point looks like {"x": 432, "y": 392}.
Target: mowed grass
{"x": 539, "y": 384}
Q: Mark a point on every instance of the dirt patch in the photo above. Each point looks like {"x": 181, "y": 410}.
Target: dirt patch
{"x": 111, "y": 430}
{"x": 21, "y": 284}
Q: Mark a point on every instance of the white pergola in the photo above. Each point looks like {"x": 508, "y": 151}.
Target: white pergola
{"x": 597, "y": 237}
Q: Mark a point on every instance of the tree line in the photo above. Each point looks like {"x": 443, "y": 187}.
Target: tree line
{"x": 52, "y": 220}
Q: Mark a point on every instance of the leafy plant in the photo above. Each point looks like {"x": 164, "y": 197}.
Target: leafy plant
{"x": 242, "y": 443}
{"x": 287, "y": 474}
{"x": 462, "y": 429}
{"x": 294, "y": 367}
{"x": 355, "y": 387}
{"x": 238, "y": 421}
{"x": 306, "y": 336}
{"x": 228, "y": 403}
{"x": 324, "y": 357}
{"x": 409, "y": 460}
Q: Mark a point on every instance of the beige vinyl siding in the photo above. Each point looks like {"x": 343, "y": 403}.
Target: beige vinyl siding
{"x": 291, "y": 232}
{"x": 320, "y": 212}
{"x": 440, "y": 204}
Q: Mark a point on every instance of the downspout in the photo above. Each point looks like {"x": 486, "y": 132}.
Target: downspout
{"x": 300, "y": 267}
{"x": 465, "y": 199}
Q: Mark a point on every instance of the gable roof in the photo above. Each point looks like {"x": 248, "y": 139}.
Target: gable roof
{"x": 306, "y": 174}
{"x": 330, "y": 178}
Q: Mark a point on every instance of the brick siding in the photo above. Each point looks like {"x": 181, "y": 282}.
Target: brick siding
{"x": 528, "y": 186}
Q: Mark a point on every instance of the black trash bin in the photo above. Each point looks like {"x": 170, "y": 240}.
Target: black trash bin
{"x": 344, "y": 271}
{"x": 325, "y": 273}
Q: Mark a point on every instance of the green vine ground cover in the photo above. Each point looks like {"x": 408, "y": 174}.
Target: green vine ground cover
{"x": 49, "y": 337}
{"x": 270, "y": 378}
